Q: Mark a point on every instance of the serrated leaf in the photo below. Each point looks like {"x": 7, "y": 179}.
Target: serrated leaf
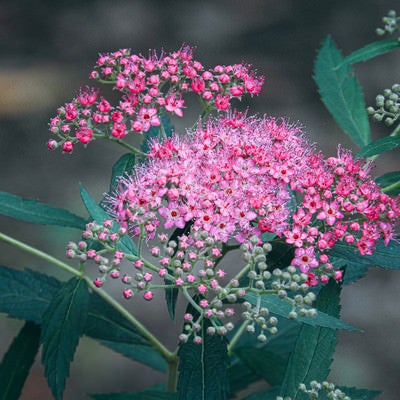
{"x": 360, "y": 394}
{"x": 171, "y": 294}
{"x": 63, "y": 324}
{"x": 312, "y": 356}
{"x": 33, "y": 211}
{"x": 123, "y": 165}
{"x": 353, "y": 271}
{"x": 263, "y": 363}
{"x": 106, "y": 324}
{"x": 16, "y": 363}
{"x": 270, "y": 394}
{"x": 390, "y": 183}
{"x": 155, "y": 132}
{"x": 383, "y": 256}
{"x": 112, "y": 330}
{"x": 203, "y": 369}
{"x": 99, "y": 215}
{"x": 280, "y": 344}
{"x": 26, "y": 294}
{"x": 372, "y": 50}
{"x": 144, "y": 395}
{"x": 279, "y": 307}
{"x": 379, "y": 146}
{"x": 341, "y": 93}
{"x": 138, "y": 352}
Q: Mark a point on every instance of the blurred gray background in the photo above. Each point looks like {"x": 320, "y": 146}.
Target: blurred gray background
{"x": 47, "y": 49}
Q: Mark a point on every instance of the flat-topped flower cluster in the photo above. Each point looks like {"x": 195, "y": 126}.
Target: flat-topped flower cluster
{"x": 236, "y": 177}
{"x": 150, "y": 87}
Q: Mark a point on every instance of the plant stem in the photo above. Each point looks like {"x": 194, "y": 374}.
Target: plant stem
{"x": 170, "y": 358}
{"x": 236, "y": 337}
{"x": 172, "y": 373}
{"x": 40, "y": 254}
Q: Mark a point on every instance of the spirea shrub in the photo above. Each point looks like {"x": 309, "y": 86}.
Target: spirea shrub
{"x": 300, "y": 224}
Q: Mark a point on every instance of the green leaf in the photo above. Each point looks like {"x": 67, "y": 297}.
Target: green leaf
{"x": 280, "y": 345}
{"x": 341, "y": 93}
{"x": 156, "y": 132}
{"x": 390, "y": 183}
{"x": 18, "y": 360}
{"x": 99, "y": 215}
{"x": 360, "y": 394}
{"x": 112, "y": 330}
{"x": 353, "y": 271}
{"x": 312, "y": 356}
{"x": 372, "y": 50}
{"x": 282, "y": 308}
{"x": 138, "y": 352}
{"x": 383, "y": 256}
{"x": 144, "y": 395}
{"x": 33, "y": 211}
{"x": 203, "y": 369}
{"x": 106, "y": 324}
{"x": 264, "y": 363}
{"x": 26, "y": 294}
{"x": 270, "y": 394}
{"x": 123, "y": 165}
{"x": 379, "y": 146}
{"x": 63, "y": 324}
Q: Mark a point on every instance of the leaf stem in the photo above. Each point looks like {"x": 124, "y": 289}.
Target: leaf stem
{"x": 40, "y": 254}
{"x": 236, "y": 337}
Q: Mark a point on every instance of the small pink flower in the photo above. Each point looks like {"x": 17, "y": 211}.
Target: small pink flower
{"x": 202, "y": 288}
{"x": 128, "y": 293}
{"x": 162, "y": 272}
{"x": 148, "y": 295}
{"x": 98, "y": 282}
{"x": 68, "y": 146}
{"x": 203, "y": 303}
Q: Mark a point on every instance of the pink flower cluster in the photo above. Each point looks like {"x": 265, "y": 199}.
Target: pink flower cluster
{"x": 150, "y": 86}
{"x": 239, "y": 176}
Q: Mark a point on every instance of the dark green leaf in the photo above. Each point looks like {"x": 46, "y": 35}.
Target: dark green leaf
{"x": 63, "y": 324}
{"x": 18, "y": 360}
{"x": 99, "y": 215}
{"x": 360, "y": 394}
{"x": 138, "y": 352}
{"x": 155, "y": 132}
{"x": 240, "y": 377}
{"x": 372, "y": 50}
{"x": 144, "y": 395}
{"x": 352, "y": 271}
{"x": 264, "y": 363}
{"x": 33, "y": 211}
{"x": 282, "y": 308}
{"x": 123, "y": 165}
{"x": 280, "y": 345}
{"x": 379, "y": 146}
{"x": 203, "y": 369}
{"x": 341, "y": 93}
{"x": 106, "y": 324}
{"x": 312, "y": 356}
{"x": 383, "y": 256}
{"x": 390, "y": 183}
{"x": 26, "y": 294}
{"x": 171, "y": 294}
{"x": 270, "y": 394}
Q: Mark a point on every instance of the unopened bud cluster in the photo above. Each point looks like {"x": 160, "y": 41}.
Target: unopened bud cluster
{"x": 391, "y": 24}
{"x": 325, "y": 389}
{"x": 387, "y": 106}
{"x": 289, "y": 285}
